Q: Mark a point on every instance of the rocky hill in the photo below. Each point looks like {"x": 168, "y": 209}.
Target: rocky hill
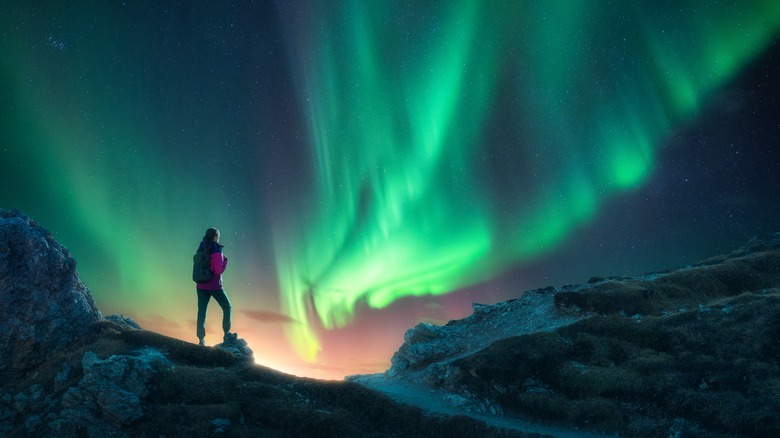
{"x": 686, "y": 352}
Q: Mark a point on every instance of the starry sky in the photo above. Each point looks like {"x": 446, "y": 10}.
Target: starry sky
{"x": 372, "y": 165}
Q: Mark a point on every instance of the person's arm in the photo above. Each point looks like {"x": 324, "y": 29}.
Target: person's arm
{"x": 218, "y": 263}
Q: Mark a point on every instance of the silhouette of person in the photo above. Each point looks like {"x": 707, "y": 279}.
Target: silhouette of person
{"x": 213, "y": 288}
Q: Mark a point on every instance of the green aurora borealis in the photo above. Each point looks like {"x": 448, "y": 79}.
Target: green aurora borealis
{"x": 399, "y": 117}
{"x": 352, "y": 153}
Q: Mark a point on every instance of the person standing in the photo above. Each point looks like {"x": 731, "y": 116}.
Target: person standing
{"x": 213, "y": 288}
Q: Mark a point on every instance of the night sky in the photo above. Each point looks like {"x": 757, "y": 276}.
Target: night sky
{"x": 375, "y": 164}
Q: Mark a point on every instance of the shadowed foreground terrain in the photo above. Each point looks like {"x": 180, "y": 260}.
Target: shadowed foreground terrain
{"x": 199, "y": 391}
{"x": 686, "y": 352}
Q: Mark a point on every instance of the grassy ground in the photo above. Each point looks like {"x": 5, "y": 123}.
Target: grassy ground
{"x": 697, "y": 349}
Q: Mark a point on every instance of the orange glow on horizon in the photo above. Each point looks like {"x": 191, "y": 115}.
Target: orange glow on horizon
{"x": 271, "y": 349}
{"x": 364, "y": 347}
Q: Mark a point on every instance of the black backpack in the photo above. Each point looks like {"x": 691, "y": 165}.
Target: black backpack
{"x": 201, "y": 267}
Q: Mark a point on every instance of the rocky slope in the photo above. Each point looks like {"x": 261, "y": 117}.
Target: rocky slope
{"x": 686, "y": 352}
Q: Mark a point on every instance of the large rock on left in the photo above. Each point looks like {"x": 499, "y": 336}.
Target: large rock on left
{"x": 44, "y": 306}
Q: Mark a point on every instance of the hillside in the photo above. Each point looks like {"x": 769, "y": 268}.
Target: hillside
{"x": 686, "y": 352}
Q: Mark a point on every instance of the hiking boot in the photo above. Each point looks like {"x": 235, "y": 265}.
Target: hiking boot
{"x": 202, "y": 342}
{"x": 230, "y": 336}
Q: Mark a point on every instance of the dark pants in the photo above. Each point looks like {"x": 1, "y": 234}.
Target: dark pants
{"x": 203, "y": 303}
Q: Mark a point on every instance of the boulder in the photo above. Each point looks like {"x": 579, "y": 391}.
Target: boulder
{"x": 109, "y": 397}
{"x": 423, "y": 344}
{"x": 44, "y": 306}
{"x": 125, "y": 322}
{"x": 239, "y": 348}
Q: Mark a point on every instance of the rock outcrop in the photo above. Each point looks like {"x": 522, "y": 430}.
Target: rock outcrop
{"x": 109, "y": 396}
{"x": 238, "y": 348}
{"x": 98, "y": 397}
{"x": 427, "y": 344}
{"x": 44, "y": 306}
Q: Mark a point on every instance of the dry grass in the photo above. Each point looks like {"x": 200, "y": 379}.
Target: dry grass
{"x": 694, "y": 350}
{"x": 679, "y": 289}
{"x": 716, "y": 366}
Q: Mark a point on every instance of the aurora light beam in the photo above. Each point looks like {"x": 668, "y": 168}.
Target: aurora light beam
{"x": 411, "y": 194}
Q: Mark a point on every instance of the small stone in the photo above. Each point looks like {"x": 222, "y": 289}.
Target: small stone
{"x": 221, "y": 425}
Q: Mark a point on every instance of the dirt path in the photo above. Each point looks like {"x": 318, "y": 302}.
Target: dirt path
{"x": 443, "y": 403}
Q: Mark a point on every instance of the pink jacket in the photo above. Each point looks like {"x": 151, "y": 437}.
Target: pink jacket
{"x": 218, "y": 266}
